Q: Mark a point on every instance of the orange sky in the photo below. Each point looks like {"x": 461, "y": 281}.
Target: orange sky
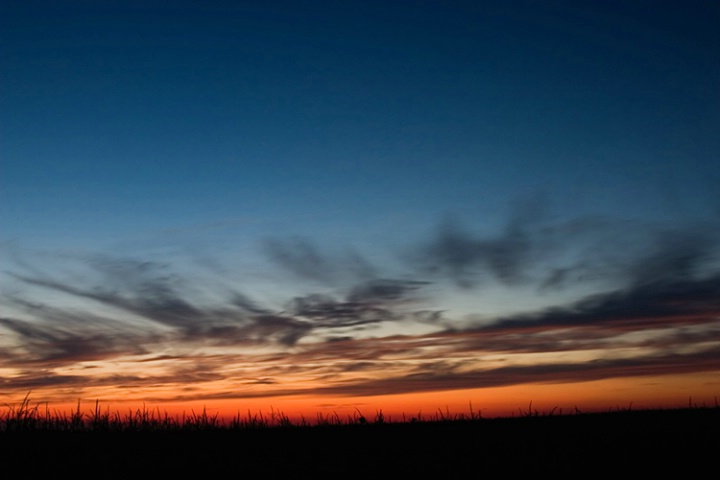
{"x": 668, "y": 391}
{"x": 592, "y": 356}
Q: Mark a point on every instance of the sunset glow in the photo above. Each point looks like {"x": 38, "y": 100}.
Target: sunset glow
{"x": 346, "y": 208}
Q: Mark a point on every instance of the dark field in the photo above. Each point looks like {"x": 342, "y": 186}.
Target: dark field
{"x": 682, "y": 443}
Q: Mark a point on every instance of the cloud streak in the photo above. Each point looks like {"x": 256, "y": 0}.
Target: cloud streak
{"x": 365, "y": 331}
{"x": 428, "y": 380}
{"x": 645, "y": 306}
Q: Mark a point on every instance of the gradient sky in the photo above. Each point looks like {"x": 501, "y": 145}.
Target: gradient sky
{"x": 360, "y": 204}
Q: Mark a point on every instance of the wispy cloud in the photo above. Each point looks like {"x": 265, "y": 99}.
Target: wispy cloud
{"x": 304, "y": 259}
{"x": 533, "y": 251}
{"x": 655, "y": 310}
{"x": 646, "y": 306}
{"x": 456, "y": 378}
{"x": 467, "y": 259}
{"x": 371, "y": 302}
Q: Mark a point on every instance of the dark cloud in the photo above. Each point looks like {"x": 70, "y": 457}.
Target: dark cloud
{"x": 274, "y": 328}
{"x": 306, "y": 260}
{"x": 381, "y": 291}
{"x": 645, "y": 306}
{"x": 533, "y": 250}
{"x": 325, "y": 311}
{"x": 662, "y": 285}
{"x": 370, "y": 302}
{"x": 465, "y": 259}
{"x": 246, "y": 304}
{"x": 300, "y": 257}
{"x": 531, "y": 247}
{"x": 677, "y": 255}
{"x": 155, "y": 301}
{"x": 151, "y": 298}
{"x": 449, "y": 377}
{"x": 62, "y": 335}
{"x": 27, "y": 381}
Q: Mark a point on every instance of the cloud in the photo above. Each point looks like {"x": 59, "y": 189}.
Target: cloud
{"x": 159, "y": 305}
{"x": 449, "y": 377}
{"x": 677, "y": 254}
{"x": 149, "y": 306}
{"x": 59, "y": 336}
{"x": 26, "y": 381}
{"x": 466, "y": 259}
{"x": 598, "y": 252}
{"x": 661, "y": 303}
{"x": 301, "y": 258}
{"x": 374, "y": 301}
{"x": 153, "y": 298}
{"x": 66, "y": 343}
{"x": 656, "y": 293}
{"x": 305, "y": 260}
{"x": 530, "y": 249}
{"x": 246, "y": 304}
{"x": 384, "y": 290}
{"x": 325, "y": 311}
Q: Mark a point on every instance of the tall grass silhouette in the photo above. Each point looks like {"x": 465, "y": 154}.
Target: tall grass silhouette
{"x": 147, "y": 443}
{"x": 27, "y": 416}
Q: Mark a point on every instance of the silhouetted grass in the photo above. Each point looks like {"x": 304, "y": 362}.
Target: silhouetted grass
{"x": 28, "y": 417}
{"x": 148, "y": 442}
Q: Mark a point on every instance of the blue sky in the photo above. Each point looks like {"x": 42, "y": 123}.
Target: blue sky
{"x": 290, "y": 174}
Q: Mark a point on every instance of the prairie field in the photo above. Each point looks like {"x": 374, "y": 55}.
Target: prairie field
{"x": 144, "y": 444}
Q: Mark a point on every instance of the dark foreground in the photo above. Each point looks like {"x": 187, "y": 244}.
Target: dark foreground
{"x": 669, "y": 442}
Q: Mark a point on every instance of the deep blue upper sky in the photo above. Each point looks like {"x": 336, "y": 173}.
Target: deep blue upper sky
{"x": 163, "y": 130}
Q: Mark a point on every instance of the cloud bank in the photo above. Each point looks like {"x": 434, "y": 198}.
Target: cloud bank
{"x": 368, "y": 331}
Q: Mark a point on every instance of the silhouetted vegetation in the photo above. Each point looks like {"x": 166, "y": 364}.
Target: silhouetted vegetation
{"x": 26, "y": 416}
{"x": 140, "y": 442}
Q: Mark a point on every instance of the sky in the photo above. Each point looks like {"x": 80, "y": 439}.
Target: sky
{"x": 323, "y": 206}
